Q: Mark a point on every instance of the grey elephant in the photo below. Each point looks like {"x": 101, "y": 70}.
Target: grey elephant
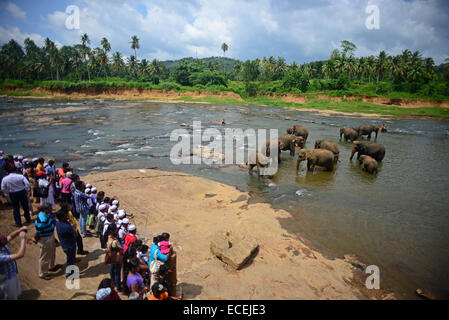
{"x": 372, "y": 149}
{"x": 368, "y": 164}
{"x": 299, "y": 131}
{"x": 349, "y": 134}
{"x": 328, "y": 145}
{"x": 367, "y": 130}
{"x": 257, "y": 159}
{"x": 316, "y": 157}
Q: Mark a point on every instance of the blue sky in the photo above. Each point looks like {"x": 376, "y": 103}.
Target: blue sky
{"x": 300, "y": 31}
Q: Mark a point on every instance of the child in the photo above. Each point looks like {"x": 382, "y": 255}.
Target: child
{"x": 142, "y": 254}
{"x": 165, "y": 245}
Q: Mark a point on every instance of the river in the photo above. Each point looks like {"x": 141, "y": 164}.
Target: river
{"x": 397, "y": 220}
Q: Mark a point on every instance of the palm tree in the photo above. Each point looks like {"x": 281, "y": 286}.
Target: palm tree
{"x": 224, "y": 48}
{"x": 117, "y": 63}
{"x": 133, "y": 65}
{"x": 104, "y": 60}
{"x": 381, "y": 67}
{"x": 135, "y": 45}
{"x": 85, "y": 50}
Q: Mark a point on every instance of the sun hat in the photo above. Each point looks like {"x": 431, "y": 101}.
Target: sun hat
{"x": 103, "y": 293}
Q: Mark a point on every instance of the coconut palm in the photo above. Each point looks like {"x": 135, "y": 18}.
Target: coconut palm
{"x": 381, "y": 67}
{"x": 135, "y": 45}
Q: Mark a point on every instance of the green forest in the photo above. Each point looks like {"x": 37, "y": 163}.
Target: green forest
{"x": 70, "y": 68}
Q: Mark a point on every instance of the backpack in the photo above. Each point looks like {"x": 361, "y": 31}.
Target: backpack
{"x": 155, "y": 264}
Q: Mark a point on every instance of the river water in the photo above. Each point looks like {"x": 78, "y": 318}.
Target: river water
{"x": 397, "y": 220}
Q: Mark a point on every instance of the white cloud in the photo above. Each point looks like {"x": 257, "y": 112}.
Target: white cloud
{"x": 299, "y": 31}
{"x": 15, "y": 11}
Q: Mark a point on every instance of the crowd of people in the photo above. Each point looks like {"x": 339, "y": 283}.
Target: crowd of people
{"x": 136, "y": 269}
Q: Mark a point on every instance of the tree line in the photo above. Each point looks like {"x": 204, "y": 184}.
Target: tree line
{"x": 407, "y": 72}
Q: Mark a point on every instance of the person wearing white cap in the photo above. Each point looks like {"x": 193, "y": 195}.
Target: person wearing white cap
{"x": 130, "y": 237}
{"x": 123, "y": 230}
{"x": 113, "y": 209}
{"x": 120, "y": 216}
{"x": 17, "y": 162}
{"x": 116, "y": 203}
{"x": 88, "y": 186}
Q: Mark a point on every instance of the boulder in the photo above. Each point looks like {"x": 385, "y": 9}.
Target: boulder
{"x": 233, "y": 250}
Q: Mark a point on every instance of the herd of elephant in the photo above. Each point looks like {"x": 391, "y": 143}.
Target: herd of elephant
{"x": 326, "y": 152}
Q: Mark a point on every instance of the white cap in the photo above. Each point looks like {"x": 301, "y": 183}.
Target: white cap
{"x": 102, "y": 207}
{"x": 20, "y": 157}
{"x": 35, "y": 159}
{"x": 125, "y": 221}
{"x": 87, "y": 190}
{"x": 115, "y": 202}
{"x": 113, "y": 208}
{"x": 88, "y": 185}
{"x": 1, "y": 151}
{"x": 45, "y": 165}
{"x": 93, "y": 189}
{"x": 121, "y": 213}
{"x": 132, "y": 228}
{"x": 25, "y": 160}
{"x": 14, "y": 157}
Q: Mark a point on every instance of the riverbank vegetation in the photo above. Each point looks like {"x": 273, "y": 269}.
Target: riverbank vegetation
{"x": 81, "y": 67}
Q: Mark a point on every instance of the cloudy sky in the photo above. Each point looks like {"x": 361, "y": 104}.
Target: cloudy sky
{"x": 298, "y": 30}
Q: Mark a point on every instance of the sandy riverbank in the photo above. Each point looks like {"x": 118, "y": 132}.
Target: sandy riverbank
{"x": 202, "y": 97}
{"x": 192, "y": 209}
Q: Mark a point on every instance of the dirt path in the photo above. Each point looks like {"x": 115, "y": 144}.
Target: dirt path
{"x": 192, "y": 209}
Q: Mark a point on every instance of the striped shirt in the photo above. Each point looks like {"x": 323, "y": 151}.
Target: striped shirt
{"x": 81, "y": 204}
{"x": 45, "y": 224}
{"x": 8, "y": 267}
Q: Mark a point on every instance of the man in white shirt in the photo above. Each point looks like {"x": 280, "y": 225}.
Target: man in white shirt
{"x": 17, "y": 186}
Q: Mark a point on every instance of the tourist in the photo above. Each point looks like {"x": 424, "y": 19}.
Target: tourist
{"x": 142, "y": 254}
{"x": 130, "y": 237}
{"x": 74, "y": 223}
{"x": 81, "y": 206}
{"x": 45, "y": 227}
{"x": 127, "y": 256}
{"x": 165, "y": 245}
{"x": 104, "y": 237}
{"x": 155, "y": 253}
{"x": 40, "y": 164}
{"x": 106, "y": 291}
{"x": 16, "y": 186}
{"x": 114, "y": 246}
{"x": 134, "y": 280}
{"x": 47, "y": 184}
{"x": 160, "y": 293}
{"x": 123, "y": 230}
{"x": 10, "y": 287}
{"x": 66, "y": 194}
{"x": 62, "y": 171}
{"x": 100, "y": 198}
{"x": 67, "y": 239}
{"x": 121, "y": 214}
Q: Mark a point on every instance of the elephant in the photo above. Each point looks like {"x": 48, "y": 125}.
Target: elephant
{"x": 257, "y": 159}
{"x": 367, "y": 129}
{"x": 372, "y": 149}
{"x": 328, "y": 145}
{"x": 350, "y": 134}
{"x": 368, "y": 164}
{"x": 316, "y": 157}
{"x": 299, "y": 131}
